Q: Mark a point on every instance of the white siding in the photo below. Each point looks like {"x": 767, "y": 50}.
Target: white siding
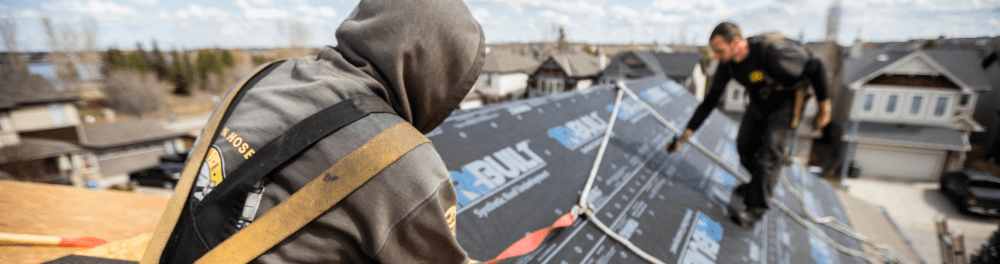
{"x": 514, "y": 82}
{"x": 883, "y": 109}
{"x": 38, "y": 117}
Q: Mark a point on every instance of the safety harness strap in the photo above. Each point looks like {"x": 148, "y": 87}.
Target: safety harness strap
{"x": 181, "y": 192}
{"x": 318, "y": 196}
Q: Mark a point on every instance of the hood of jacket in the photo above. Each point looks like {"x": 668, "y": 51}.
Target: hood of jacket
{"x": 425, "y": 55}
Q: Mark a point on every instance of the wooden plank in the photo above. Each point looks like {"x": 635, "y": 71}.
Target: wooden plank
{"x": 57, "y": 210}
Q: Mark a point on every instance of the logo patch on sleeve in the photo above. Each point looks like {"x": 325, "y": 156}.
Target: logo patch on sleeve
{"x": 450, "y": 215}
{"x": 756, "y": 76}
{"x": 211, "y": 173}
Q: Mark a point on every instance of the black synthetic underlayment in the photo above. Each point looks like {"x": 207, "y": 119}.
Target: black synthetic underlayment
{"x": 518, "y": 166}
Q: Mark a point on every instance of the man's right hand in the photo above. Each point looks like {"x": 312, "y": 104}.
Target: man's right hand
{"x": 677, "y": 142}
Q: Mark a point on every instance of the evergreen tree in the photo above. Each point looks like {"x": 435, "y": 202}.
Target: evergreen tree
{"x": 227, "y": 58}
{"x": 990, "y": 252}
{"x": 203, "y": 65}
{"x": 179, "y": 76}
{"x": 134, "y": 61}
{"x": 159, "y": 63}
{"x": 114, "y": 58}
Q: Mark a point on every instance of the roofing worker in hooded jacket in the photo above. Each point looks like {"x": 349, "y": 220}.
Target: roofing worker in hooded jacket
{"x": 422, "y": 57}
{"x": 776, "y": 72}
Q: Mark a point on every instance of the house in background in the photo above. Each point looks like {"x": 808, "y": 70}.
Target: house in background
{"x": 504, "y": 77}
{"x": 567, "y": 72}
{"x": 912, "y": 110}
{"x": 684, "y": 68}
{"x": 39, "y": 129}
{"x": 124, "y": 147}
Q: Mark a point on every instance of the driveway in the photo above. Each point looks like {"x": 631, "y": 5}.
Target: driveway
{"x": 913, "y": 206}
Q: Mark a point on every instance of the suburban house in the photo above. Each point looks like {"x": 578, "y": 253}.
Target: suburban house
{"x": 912, "y": 111}
{"x": 504, "y": 78}
{"x": 565, "y": 72}
{"x": 684, "y": 68}
{"x": 39, "y": 132}
{"x": 42, "y": 138}
{"x": 128, "y": 146}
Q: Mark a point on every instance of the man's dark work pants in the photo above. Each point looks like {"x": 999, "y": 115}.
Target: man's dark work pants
{"x": 762, "y": 143}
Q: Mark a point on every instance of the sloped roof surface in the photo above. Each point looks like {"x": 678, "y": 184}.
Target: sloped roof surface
{"x": 909, "y": 135}
{"x": 578, "y": 64}
{"x": 505, "y": 61}
{"x": 36, "y": 148}
{"x": 520, "y": 165}
{"x": 124, "y": 133}
{"x": 669, "y": 64}
{"x": 24, "y": 88}
{"x": 963, "y": 64}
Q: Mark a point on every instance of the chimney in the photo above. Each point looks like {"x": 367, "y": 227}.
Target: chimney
{"x": 855, "y": 51}
{"x": 602, "y": 60}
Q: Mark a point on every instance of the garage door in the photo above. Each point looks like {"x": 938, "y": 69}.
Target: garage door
{"x": 898, "y": 162}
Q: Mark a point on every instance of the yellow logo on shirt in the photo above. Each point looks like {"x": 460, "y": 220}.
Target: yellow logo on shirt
{"x": 450, "y": 215}
{"x": 756, "y": 76}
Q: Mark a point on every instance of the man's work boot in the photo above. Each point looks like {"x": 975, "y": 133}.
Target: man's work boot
{"x": 735, "y": 205}
{"x": 747, "y": 219}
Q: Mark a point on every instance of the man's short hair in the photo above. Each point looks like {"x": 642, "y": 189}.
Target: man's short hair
{"x": 727, "y": 30}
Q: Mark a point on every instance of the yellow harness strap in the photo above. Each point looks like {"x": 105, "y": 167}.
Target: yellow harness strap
{"x": 176, "y": 204}
{"x": 318, "y": 196}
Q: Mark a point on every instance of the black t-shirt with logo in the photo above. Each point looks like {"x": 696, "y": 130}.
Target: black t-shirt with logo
{"x": 784, "y": 62}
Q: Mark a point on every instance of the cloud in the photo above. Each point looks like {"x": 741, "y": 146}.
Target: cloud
{"x": 315, "y": 15}
{"x": 487, "y": 18}
{"x": 255, "y": 13}
{"x": 568, "y": 7}
{"x": 197, "y": 16}
{"x": 624, "y": 15}
{"x": 262, "y": 2}
{"x": 553, "y": 17}
{"x": 93, "y": 8}
{"x": 28, "y": 13}
{"x": 199, "y": 13}
{"x": 147, "y": 2}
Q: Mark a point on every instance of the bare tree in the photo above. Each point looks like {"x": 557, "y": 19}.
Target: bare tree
{"x": 89, "y": 34}
{"x": 50, "y": 33}
{"x": 133, "y": 92}
{"x": 298, "y": 34}
{"x": 282, "y": 31}
{"x": 8, "y": 28}
{"x": 63, "y": 44}
{"x": 561, "y": 43}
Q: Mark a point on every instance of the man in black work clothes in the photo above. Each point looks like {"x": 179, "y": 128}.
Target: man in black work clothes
{"x": 776, "y": 72}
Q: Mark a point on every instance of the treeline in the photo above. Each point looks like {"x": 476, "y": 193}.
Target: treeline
{"x": 205, "y": 72}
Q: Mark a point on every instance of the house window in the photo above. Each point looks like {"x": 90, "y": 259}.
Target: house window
{"x": 56, "y": 114}
{"x": 869, "y": 102}
{"x": 169, "y": 147}
{"x": 915, "y": 104}
{"x": 550, "y": 85}
{"x": 486, "y": 79}
{"x": 940, "y": 106}
{"x": 890, "y": 106}
{"x": 964, "y": 101}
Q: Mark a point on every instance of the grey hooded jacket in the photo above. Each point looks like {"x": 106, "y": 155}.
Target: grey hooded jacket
{"x": 422, "y": 57}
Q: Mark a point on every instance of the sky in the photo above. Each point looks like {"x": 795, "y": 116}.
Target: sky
{"x": 190, "y": 24}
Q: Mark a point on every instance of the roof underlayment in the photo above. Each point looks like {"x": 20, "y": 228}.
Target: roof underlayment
{"x": 518, "y": 166}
